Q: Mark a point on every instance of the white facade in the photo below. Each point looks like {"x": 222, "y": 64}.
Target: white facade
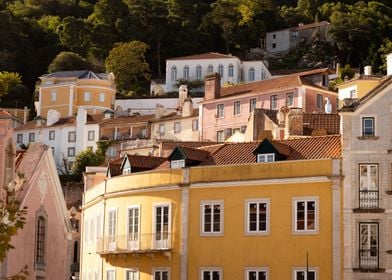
{"x": 278, "y": 41}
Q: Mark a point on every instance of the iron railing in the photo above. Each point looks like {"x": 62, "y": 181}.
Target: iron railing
{"x": 368, "y": 259}
{"x": 368, "y": 199}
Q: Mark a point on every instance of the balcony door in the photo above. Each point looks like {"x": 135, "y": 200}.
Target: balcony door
{"x": 368, "y": 251}
{"x": 161, "y": 226}
{"x": 112, "y": 224}
{"x": 368, "y": 186}
{"x": 133, "y": 228}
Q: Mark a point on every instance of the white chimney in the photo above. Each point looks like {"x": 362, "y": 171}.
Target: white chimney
{"x": 328, "y": 106}
{"x": 182, "y": 95}
{"x": 368, "y": 70}
{"x": 52, "y": 117}
{"x": 389, "y": 64}
{"x": 187, "y": 108}
{"x": 159, "y": 111}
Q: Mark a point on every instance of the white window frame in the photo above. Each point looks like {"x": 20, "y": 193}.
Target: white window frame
{"x": 220, "y": 70}
{"x": 186, "y": 72}
{"x": 212, "y": 270}
{"x": 154, "y": 219}
{"x": 220, "y": 111}
{"x": 87, "y": 96}
{"x": 101, "y": 97}
{"x": 303, "y": 269}
{"x": 110, "y": 270}
{"x": 173, "y": 73}
{"x": 220, "y": 136}
{"x": 71, "y": 136}
{"x": 71, "y": 152}
{"x": 231, "y": 70}
{"x": 161, "y": 130}
{"x": 134, "y": 244}
{"x": 31, "y": 137}
{"x": 53, "y": 95}
{"x": 212, "y": 232}
{"x": 290, "y": 99}
{"x": 179, "y": 163}
{"x": 91, "y": 135}
{"x": 258, "y": 231}
{"x": 210, "y": 69}
{"x": 199, "y": 72}
{"x": 237, "y": 108}
{"x": 177, "y": 127}
{"x": 19, "y": 138}
{"x": 52, "y": 134}
{"x": 305, "y": 199}
{"x": 112, "y": 233}
{"x": 257, "y": 270}
{"x": 274, "y": 102}
{"x": 266, "y": 157}
{"x": 160, "y": 269}
{"x": 132, "y": 269}
{"x": 374, "y": 125}
{"x": 98, "y": 224}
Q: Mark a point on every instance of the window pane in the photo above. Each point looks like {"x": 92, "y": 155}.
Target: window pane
{"x": 207, "y": 218}
{"x": 215, "y": 275}
{"x": 300, "y": 215}
{"x": 216, "y": 218}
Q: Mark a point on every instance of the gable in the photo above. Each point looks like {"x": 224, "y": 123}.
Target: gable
{"x": 177, "y": 154}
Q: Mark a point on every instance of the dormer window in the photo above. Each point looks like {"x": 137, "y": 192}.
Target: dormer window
{"x": 266, "y": 157}
{"x": 127, "y": 170}
{"x": 177, "y": 163}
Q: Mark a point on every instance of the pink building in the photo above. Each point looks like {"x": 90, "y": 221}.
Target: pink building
{"x": 227, "y": 110}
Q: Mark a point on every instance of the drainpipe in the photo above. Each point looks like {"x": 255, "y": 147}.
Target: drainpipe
{"x": 184, "y": 225}
{"x": 103, "y": 225}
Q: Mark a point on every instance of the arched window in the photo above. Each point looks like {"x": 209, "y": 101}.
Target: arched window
{"x": 174, "y": 73}
{"x": 251, "y": 74}
{"x": 186, "y": 72}
{"x": 40, "y": 241}
{"x": 220, "y": 70}
{"x": 231, "y": 70}
{"x": 198, "y": 72}
{"x": 210, "y": 69}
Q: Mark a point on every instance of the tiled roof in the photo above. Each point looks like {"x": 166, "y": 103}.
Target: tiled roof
{"x": 209, "y": 55}
{"x": 175, "y": 116}
{"x": 166, "y": 147}
{"x": 115, "y": 166}
{"x": 145, "y": 162}
{"x": 18, "y": 158}
{"x": 79, "y": 74}
{"x": 329, "y": 122}
{"x": 5, "y": 115}
{"x": 310, "y": 25}
{"x": 194, "y": 154}
{"x": 360, "y": 77}
{"x": 125, "y": 120}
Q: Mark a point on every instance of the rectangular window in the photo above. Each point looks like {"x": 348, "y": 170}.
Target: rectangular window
{"x": 72, "y": 136}
{"x": 211, "y": 217}
{"x": 256, "y": 274}
{"x": 257, "y": 216}
{"x": 368, "y": 186}
{"x": 71, "y": 152}
{"x": 53, "y": 95}
{"x": 132, "y": 274}
{"x": 195, "y": 125}
{"x": 177, "y": 163}
{"x": 102, "y": 97}
{"x": 211, "y": 274}
{"x": 319, "y": 101}
{"x": 177, "y": 127}
{"x": 353, "y": 93}
{"x": 274, "y": 45}
{"x": 162, "y": 227}
{"x": 87, "y": 96}
{"x": 31, "y": 137}
{"x": 273, "y": 102}
{"x": 161, "y": 129}
{"x": 368, "y": 128}
{"x": 110, "y": 275}
{"x": 19, "y": 138}
{"x": 161, "y": 274}
{"x": 52, "y": 148}
{"x": 52, "y": 135}
{"x": 220, "y": 136}
{"x": 112, "y": 229}
{"x": 91, "y": 135}
{"x": 40, "y": 242}
{"x": 266, "y": 157}
{"x": 302, "y": 274}
{"x": 306, "y": 214}
{"x": 368, "y": 238}
{"x": 133, "y": 227}
{"x": 252, "y": 105}
{"x": 237, "y": 107}
{"x": 289, "y": 99}
{"x": 220, "y": 111}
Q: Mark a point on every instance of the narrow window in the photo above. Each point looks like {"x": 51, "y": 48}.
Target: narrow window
{"x": 19, "y": 138}
{"x": 198, "y": 72}
{"x": 305, "y": 215}
{"x": 162, "y": 227}
{"x": 220, "y": 136}
{"x": 319, "y": 101}
{"x": 177, "y": 127}
{"x": 289, "y": 99}
{"x": 53, "y": 95}
{"x": 186, "y": 72}
{"x": 273, "y": 102}
{"x": 220, "y": 109}
{"x": 257, "y": 216}
{"x": 368, "y": 236}
{"x": 112, "y": 225}
{"x": 231, "y": 70}
{"x": 161, "y": 129}
{"x": 212, "y": 217}
{"x": 195, "y": 125}
{"x": 71, "y": 152}
{"x": 368, "y": 186}
{"x": 210, "y": 69}
{"x": 87, "y": 96}
{"x": 72, "y": 136}
{"x": 133, "y": 228}
{"x": 102, "y": 97}
{"x": 132, "y": 275}
{"x": 40, "y": 241}
{"x": 368, "y": 126}
{"x": 237, "y": 107}
{"x": 31, "y": 137}
{"x": 220, "y": 70}
{"x": 252, "y": 105}
{"x": 251, "y": 74}
{"x": 174, "y": 73}
{"x": 110, "y": 275}
{"x": 91, "y": 135}
{"x": 52, "y": 135}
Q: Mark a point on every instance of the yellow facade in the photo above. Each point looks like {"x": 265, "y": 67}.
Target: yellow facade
{"x": 278, "y": 250}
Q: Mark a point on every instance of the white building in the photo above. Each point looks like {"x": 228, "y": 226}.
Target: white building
{"x": 195, "y": 67}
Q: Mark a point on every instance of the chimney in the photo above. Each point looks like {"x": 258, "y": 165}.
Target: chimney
{"x": 337, "y": 69}
{"x": 182, "y": 95}
{"x": 25, "y": 114}
{"x": 389, "y": 64}
{"x": 159, "y": 111}
{"x": 368, "y": 70}
{"x": 212, "y": 87}
{"x": 187, "y": 108}
{"x": 52, "y": 117}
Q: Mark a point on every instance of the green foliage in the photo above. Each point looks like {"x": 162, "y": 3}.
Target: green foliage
{"x": 192, "y": 85}
{"x": 346, "y": 73}
{"x": 127, "y": 62}
{"x": 67, "y": 61}
{"x": 8, "y": 80}
{"x": 87, "y": 158}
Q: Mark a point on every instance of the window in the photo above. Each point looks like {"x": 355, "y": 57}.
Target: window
{"x": 177, "y": 163}
{"x": 87, "y": 96}
{"x": 257, "y": 216}
{"x": 251, "y": 74}
{"x": 220, "y": 136}
{"x": 211, "y": 274}
{"x": 110, "y": 275}
{"x": 133, "y": 227}
{"x": 210, "y": 69}
{"x": 368, "y": 239}
{"x": 72, "y": 136}
{"x": 186, "y": 72}
{"x": 319, "y": 101}
{"x": 289, "y": 99}
{"x": 132, "y": 274}
{"x": 306, "y": 214}
{"x": 353, "y": 93}
{"x": 211, "y": 217}
{"x": 295, "y": 34}
{"x": 274, "y": 36}
{"x": 252, "y": 104}
{"x": 112, "y": 224}
{"x": 161, "y": 129}
{"x": 174, "y": 73}
{"x": 53, "y": 95}
{"x": 266, "y": 157}
{"x": 262, "y": 74}
{"x": 198, "y": 72}
{"x": 368, "y": 128}
{"x": 274, "y": 45}
{"x": 177, "y": 127}
{"x": 40, "y": 241}
{"x": 52, "y": 135}
{"x": 52, "y": 148}
{"x": 195, "y": 125}
{"x": 143, "y": 132}
{"x": 161, "y": 274}
{"x": 102, "y": 97}
{"x": 273, "y": 102}
{"x": 91, "y": 135}
{"x": 237, "y": 107}
{"x": 231, "y": 70}
{"x": 220, "y": 70}
{"x": 256, "y": 274}
{"x": 162, "y": 226}
{"x": 220, "y": 111}
{"x": 300, "y": 274}
{"x": 71, "y": 152}
{"x": 19, "y": 138}
{"x": 368, "y": 186}
{"x": 31, "y": 137}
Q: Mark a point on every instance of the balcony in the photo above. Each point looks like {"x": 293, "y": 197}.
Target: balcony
{"x": 368, "y": 199}
{"x": 134, "y": 245}
{"x": 368, "y": 260}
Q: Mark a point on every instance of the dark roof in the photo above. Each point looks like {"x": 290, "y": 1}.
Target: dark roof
{"x": 145, "y": 162}
{"x": 209, "y": 55}
{"x": 114, "y": 166}
{"x": 79, "y": 74}
{"x": 192, "y": 153}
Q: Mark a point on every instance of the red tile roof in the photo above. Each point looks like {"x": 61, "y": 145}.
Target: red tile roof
{"x": 328, "y": 122}
{"x": 114, "y": 166}
{"x": 175, "y": 116}
{"x": 125, "y": 120}
{"x": 209, "y": 55}
{"x": 145, "y": 162}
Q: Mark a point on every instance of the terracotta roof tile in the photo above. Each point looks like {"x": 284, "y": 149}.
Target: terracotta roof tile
{"x": 209, "y": 55}
{"x": 115, "y": 166}
{"x": 194, "y": 153}
{"x": 329, "y": 122}
{"x": 125, "y": 120}
{"x": 145, "y": 162}
{"x": 175, "y": 116}
{"x": 166, "y": 147}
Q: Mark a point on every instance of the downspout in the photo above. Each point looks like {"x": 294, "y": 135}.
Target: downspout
{"x": 103, "y": 224}
{"x": 184, "y": 225}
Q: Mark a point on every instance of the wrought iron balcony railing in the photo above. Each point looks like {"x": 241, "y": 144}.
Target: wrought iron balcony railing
{"x": 368, "y": 259}
{"x": 368, "y": 199}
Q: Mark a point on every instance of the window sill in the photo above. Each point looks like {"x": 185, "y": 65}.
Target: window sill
{"x": 374, "y": 210}
{"x": 368, "y": 137}
{"x": 369, "y": 270}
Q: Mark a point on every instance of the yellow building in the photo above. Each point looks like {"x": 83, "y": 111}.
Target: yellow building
{"x": 254, "y": 211}
{"x": 66, "y": 91}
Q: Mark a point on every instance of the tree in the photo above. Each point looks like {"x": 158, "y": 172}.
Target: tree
{"x": 127, "y": 62}
{"x": 8, "y": 80}
{"x": 66, "y": 61}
